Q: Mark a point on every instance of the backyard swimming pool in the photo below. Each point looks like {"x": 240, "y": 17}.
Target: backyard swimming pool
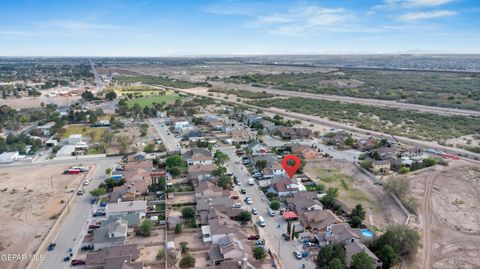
{"x": 366, "y": 232}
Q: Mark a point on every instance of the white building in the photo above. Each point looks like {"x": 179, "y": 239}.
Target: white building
{"x": 9, "y": 157}
{"x": 74, "y": 139}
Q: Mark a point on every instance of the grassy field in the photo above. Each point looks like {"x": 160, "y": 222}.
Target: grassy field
{"x": 84, "y": 130}
{"x": 148, "y": 101}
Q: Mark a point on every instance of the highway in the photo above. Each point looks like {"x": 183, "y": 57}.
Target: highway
{"x": 271, "y": 233}
{"x": 98, "y": 79}
{"x": 75, "y": 224}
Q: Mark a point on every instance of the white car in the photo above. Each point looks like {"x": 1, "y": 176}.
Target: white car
{"x": 297, "y": 254}
{"x": 248, "y": 200}
{"x": 254, "y": 211}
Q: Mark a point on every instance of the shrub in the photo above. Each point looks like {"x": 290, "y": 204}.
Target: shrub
{"x": 187, "y": 261}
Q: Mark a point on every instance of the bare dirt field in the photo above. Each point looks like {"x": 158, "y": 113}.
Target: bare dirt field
{"x": 32, "y": 102}
{"x": 30, "y": 206}
{"x": 449, "y": 216}
{"x": 354, "y": 188}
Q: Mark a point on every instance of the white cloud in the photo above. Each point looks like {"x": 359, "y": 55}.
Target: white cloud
{"x": 426, "y": 3}
{"x": 412, "y": 16}
{"x": 303, "y": 19}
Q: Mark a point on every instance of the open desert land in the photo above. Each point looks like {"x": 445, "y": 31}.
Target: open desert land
{"x": 30, "y": 206}
{"x": 354, "y": 187}
{"x": 449, "y": 215}
{"x": 34, "y": 102}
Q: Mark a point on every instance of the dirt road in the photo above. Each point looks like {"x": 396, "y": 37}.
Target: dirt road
{"x": 427, "y": 218}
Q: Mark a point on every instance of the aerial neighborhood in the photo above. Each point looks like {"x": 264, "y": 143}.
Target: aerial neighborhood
{"x": 141, "y": 171}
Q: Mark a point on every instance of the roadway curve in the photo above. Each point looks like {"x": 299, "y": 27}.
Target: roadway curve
{"x": 356, "y": 100}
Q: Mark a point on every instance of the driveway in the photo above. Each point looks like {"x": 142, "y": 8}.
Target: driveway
{"x": 271, "y": 233}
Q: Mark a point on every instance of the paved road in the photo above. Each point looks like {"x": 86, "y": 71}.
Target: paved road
{"x": 73, "y": 228}
{"x": 271, "y": 234}
{"x": 98, "y": 79}
{"x": 169, "y": 140}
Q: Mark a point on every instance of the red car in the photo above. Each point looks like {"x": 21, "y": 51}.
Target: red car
{"x": 254, "y": 237}
{"x": 78, "y": 262}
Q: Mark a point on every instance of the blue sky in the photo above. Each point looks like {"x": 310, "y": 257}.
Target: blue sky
{"x": 236, "y": 27}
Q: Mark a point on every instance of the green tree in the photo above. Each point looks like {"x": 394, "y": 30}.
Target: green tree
{"x": 388, "y": 256}
{"x": 259, "y": 253}
{"x": 111, "y": 95}
{"x": 261, "y": 164}
{"x": 184, "y": 247}
{"x": 225, "y": 181}
{"x": 174, "y": 171}
{"x": 275, "y": 205}
{"x": 146, "y": 227}
{"x": 178, "y": 228}
{"x": 403, "y": 239}
{"x": 150, "y": 147}
{"x": 335, "y": 264}
{"x": 349, "y": 141}
{"x": 187, "y": 261}
{"x": 329, "y": 200}
{"x": 361, "y": 260}
{"x": 188, "y": 212}
{"x": 328, "y": 253}
{"x": 108, "y": 171}
{"x": 161, "y": 254}
{"x": 98, "y": 192}
{"x": 88, "y": 95}
{"x": 175, "y": 160}
{"x": 220, "y": 157}
{"x": 357, "y": 216}
{"x": 244, "y": 216}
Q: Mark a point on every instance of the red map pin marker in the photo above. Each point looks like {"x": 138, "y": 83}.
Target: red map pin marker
{"x": 291, "y": 169}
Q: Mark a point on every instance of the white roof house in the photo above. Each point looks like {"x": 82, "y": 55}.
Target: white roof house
{"x": 123, "y": 208}
{"x": 74, "y": 139}
{"x": 8, "y": 157}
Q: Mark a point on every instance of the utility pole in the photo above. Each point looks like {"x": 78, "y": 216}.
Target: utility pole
{"x": 51, "y": 182}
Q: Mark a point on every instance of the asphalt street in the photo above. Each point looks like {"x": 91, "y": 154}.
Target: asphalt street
{"x": 75, "y": 225}
{"x": 271, "y": 233}
{"x": 169, "y": 140}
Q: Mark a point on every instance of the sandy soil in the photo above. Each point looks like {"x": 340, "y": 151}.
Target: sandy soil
{"x": 32, "y": 102}
{"x": 30, "y": 210}
{"x": 450, "y": 215}
{"x": 381, "y": 209}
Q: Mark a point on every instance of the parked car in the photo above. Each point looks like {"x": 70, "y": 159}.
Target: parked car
{"x": 254, "y": 211}
{"x": 271, "y": 212}
{"x": 254, "y": 237}
{"x": 297, "y": 254}
{"x": 260, "y": 242}
{"x": 286, "y": 237}
{"x": 93, "y": 226}
{"x": 237, "y": 205}
{"x": 237, "y": 181}
{"x": 248, "y": 200}
{"x": 66, "y": 259}
{"x": 86, "y": 248}
{"x": 93, "y": 201}
{"x": 80, "y": 192}
{"x": 282, "y": 210}
{"x": 52, "y": 246}
{"x": 99, "y": 213}
{"x": 243, "y": 191}
{"x": 77, "y": 262}
{"x": 86, "y": 182}
{"x": 257, "y": 175}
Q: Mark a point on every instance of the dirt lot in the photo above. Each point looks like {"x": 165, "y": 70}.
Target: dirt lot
{"x": 178, "y": 199}
{"x": 132, "y": 130}
{"x": 354, "y": 188}
{"x": 449, "y": 216}
{"x": 29, "y": 206}
{"x": 31, "y": 102}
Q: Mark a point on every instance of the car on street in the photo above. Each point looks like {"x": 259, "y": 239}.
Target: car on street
{"x": 66, "y": 258}
{"x": 257, "y": 175}
{"x": 80, "y": 192}
{"x": 93, "y": 201}
{"x": 237, "y": 205}
{"x": 297, "y": 254}
{"x": 248, "y": 200}
{"x": 93, "y": 226}
{"x": 261, "y": 221}
{"x": 254, "y": 211}
{"x": 86, "y": 182}
{"x": 271, "y": 212}
{"x": 237, "y": 181}
{"x": 286, "y": 237}
{"x": 77, "y": 262}
{"x": 243, "y": 191}
{"x": 254, "y": 237}
{"x": 52, "y": 246}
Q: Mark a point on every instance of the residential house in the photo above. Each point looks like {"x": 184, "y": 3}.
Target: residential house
{"x": 258, "y": 148}
{"x": 319, "y": 220}
{"x": 181, "y": 126}
{"x": 108, "y": 258}
{"x": 242, "y": 136}
{"x": 193, "y": 135}
{"x": 301, "y": 202}
{"x": 356, "y": 247}
{"x": 285, "y": 187}
{"x": 340, "y": 233}
{"x": 133, "y": 219}
{"x": 336, "y": 138}
{"x": 208, "y": 189}
{"x": 380, "y": 166}
{"x": 274, "y": 168}
{"x": 249, "y": 120}
{"x": 292, "y": 133}
{"x": 366, "y": 144}
{"x": 123, "y": 208}
{"x": 223, "y": 226}
{"x": 129, "y": 191}
{"x": 198, "y": 156}
{"x": 74, "y": 139}
{"x": 110, "y": 234}
{"x": 46, "y": 128}
{"x": 198, "y": 173}
{"x": 229, "y": 248}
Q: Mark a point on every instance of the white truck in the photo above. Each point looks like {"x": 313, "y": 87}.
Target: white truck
{"x": 251, "y": 181}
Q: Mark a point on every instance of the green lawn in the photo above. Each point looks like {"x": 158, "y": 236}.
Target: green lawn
{"x": 148, "y": 101}
{"x": 84, "y": 130}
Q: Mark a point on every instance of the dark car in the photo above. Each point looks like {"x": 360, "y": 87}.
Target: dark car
{"x": 243, "y": 191}
{"x": 67, "y": 258}
{"x": 93, "y": 201}
{"x": 78, "y": 262}
{"x": 93, "y": 226}
{"x": 254, "y": 237}
{"x": 286, "y": 237}
{"x": 51, "y": 246}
